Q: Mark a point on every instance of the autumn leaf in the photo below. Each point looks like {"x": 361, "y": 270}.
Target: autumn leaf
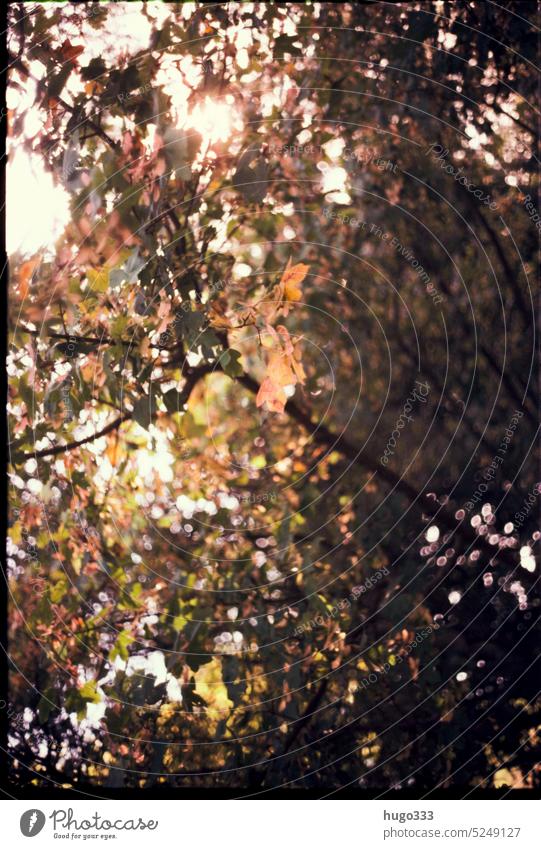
{"x": 291, "y": 280}
{"x": 93, "y": 87}
{"x": 25, "y": 274}
{"x": 218, "y": 317}
{"x": 284, "y": 369}
{"x": 272, "y": 395}
{"x": 292, "y": 354}
{"x": 99, "y": 278}
{"x": 69, "y": 52}
{"x": 297, "y": 366}
{"x": 209, "y": 686}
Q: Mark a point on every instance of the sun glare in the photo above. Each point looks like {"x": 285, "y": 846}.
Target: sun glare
{"x": 37, "y": 208}
{"x": 213, "y": 119}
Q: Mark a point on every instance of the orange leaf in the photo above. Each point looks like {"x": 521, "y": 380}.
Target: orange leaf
{"x": 279, "y": 370}
{"x": 291, "y": 280}
{"x": 93, "y": 87}
{"x": 25, "y": 273}
{"x": 271, "y": 395}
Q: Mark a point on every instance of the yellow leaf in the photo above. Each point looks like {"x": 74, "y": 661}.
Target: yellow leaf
{"x": 210, "y": 686}
{"x": 15, "y": 533}
{"x": 99, "y": 278}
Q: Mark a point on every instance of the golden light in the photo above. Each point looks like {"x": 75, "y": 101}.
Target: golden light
{"x": 214, "y": 119}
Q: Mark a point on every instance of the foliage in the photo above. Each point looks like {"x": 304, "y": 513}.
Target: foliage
{"x": 214, "y": 580}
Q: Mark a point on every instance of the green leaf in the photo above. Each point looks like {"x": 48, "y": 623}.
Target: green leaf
{"x": 118, "y": 326}
{"x": 95, "y": 68}
{"x": 120, "y": 648}
{"x": 144, "y": 411}
{"x": 179, "y": 622}
{"x": 189, "y": 428}
{"x": 58, "y": 590}
{"x": 230, "y": 362}
{"x": 59, "y": 80}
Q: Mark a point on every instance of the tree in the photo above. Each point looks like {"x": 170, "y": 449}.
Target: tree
{"x": 273, "y": 408}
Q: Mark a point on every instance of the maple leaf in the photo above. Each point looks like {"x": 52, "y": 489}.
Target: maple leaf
{"x": 283, "y": 369}
{"x": 272, "y": 395}
{"x": 99, "y": 278}
{"x": 292, "y": 354}
{"x": 68, "y": 52}
{"x": 291, "y": 280}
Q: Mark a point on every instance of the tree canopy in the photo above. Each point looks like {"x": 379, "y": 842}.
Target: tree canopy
{"x": 273, "y": 397}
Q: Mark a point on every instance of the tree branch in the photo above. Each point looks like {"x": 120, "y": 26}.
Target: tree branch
{"x": 191, "y": 381}
{"x": 418, "y": 499}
